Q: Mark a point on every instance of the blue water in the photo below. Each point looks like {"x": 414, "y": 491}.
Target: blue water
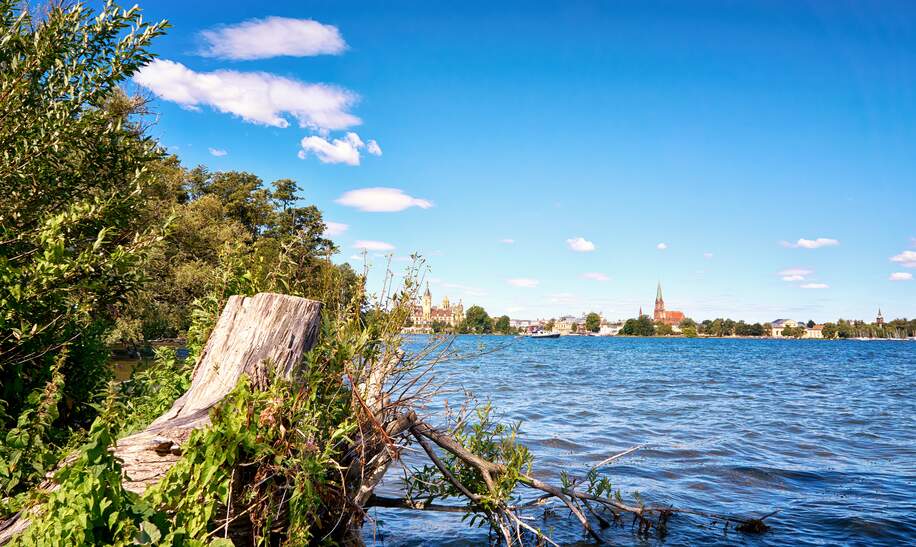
{"x": 824, "y": 431}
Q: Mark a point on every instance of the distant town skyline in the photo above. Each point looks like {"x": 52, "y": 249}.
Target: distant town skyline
{"x": 756, "y": 158}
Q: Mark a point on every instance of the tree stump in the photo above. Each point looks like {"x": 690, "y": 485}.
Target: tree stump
{"x": 263, "y": 337}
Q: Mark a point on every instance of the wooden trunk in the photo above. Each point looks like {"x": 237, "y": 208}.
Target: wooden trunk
{"x": 263, "y": 337}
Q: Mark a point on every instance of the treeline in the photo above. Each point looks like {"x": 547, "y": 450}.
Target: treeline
{"x": 644, "y": 326}
{"x": 476, "y": 321}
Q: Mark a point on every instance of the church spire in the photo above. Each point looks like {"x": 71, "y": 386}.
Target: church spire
{"x": 427, "y": 291}
{"x": 658, "y": 292}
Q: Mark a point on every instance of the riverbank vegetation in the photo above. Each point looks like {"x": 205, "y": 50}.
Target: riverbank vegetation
{"x": 107, "y": 239}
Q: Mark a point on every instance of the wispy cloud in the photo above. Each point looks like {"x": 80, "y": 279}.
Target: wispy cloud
{"x": 901, "y": 276}
{"x": 334, "y": 228}
{"x": 707, "y": 256}
{"x": 523, "y": 282}
{"x": 580, "y": 245}
{"x": 815, "y": 286}
{"x": 345, "y": 150}
{"x": 661, "y": 246}
{"x": 811, "y": 243}
{"x": 373, "y": 148}
{"x": 906, "y": 258}
{"x": 370, "y": 245}
{"x": 507, "y": 241}
{"x": 218, "y": 152}
{"x": 256, "y": 97}
{"x": 272, "y": 37}
{"x": 381, "y": 200}
{"x": 561, "y": 298}
{"x": 795, "y": 274}
{"x": 595, "y": 276}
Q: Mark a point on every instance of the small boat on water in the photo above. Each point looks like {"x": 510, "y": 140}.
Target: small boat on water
{"x": 545, "y": 335}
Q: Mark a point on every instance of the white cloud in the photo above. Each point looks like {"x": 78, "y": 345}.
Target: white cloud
{"x": 507, "y": 241}
{"x": 815, "y": 286}
{"x": 707, "y": 255}
{"x": 345, "y": 150}
{"x": 381, "y": 200}
{"x": 795, "y": 274}
{"x": 661, "y": 246}
{"x": 595, "y": 276}
{"x": 811, "y": 243}
{"x": 373, "y": 148}
{"x": 256, "y": 97}
{"x": 561, "y": 298}
{"x": 523, "y": 282}
{"x": 334, "y": 228}
{"x": 273, "y": 37}
{"x": 370, "y": 245}
{"x": 907, "y": 258}
{"x": 901, "y": 276}
{"x": 580, "y": 245}
{"x": 218, "y": 152}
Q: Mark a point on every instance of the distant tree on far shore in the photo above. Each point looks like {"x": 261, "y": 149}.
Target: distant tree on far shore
{"x": 688, "y": 323}
{"x": 638, "y": 327}
{"x": 476, "y": 321}
{"x": 593, "y": 322}
{"x": 794, "y": 332}
{"x": 829, "y": 331}
{"x": 810, "y": 324}
{"x": 502, "y": 325}
{"x": 690, "y": 331}
{"x": 663, "y": 329}
{"x": 548, "y": 326}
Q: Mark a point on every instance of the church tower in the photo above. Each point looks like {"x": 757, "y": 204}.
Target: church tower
{"x": 659, "y": 314}
{"x": 880, "y": 319}
{"x": 427, "y": 304}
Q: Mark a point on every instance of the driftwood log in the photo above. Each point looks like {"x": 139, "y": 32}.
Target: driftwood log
{"x": 263, "y": 337}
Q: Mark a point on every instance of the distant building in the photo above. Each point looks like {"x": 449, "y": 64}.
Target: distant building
{"x": 425, "y": 314}
{"x": 610, "y": 329}
{"x": 566, "y": 324}
{"x": 817, "y": 331}
{"x": 880, "y": 319}
{"x": 778, "y": 325}
{"x": 661, "y": 315}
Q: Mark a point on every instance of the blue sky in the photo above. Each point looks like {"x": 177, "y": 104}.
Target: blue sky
{"x": 770, "y": 147}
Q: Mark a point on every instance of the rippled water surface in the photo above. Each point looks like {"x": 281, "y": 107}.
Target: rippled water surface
{"x": 823, "y": 431}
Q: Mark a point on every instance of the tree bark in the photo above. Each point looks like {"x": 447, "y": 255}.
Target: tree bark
{"x": 263, "y": 337}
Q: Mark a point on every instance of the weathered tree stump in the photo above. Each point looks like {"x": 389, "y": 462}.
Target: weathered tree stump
{"x": 263, "y": 337}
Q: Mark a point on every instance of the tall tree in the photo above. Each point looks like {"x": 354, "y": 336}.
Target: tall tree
{"x": 477, "y": 321}
{"x": 593, "y": 322}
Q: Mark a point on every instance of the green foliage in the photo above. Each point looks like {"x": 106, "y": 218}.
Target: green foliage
{"x": 492, "y": 441}
{"x": 501, "y": 325}
{"x": 91, "y": 507}
{"x": 593, "y": 322}
{"x": 663, "y": 329}
{"x": 794, "y": 332}
{"x": 690, "y": 331}
{"x": 476, "y": 321}
{"x": 638, "y": 327}
{"x": 829, "y": 331}
{"x": 151, "y": 391}
{"x": 71, "y": 177}
{"x": 26, "y": 455}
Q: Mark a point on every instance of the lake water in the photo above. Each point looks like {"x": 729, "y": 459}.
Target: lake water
{"x": 824, "y": 431}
